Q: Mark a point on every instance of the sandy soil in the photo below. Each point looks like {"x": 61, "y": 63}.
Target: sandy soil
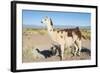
{"x": 43, "y": 42}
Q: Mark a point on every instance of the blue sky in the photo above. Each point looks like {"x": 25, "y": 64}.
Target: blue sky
{"x": 32, "y": 17}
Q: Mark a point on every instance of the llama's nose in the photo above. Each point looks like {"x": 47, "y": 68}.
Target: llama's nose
{"x": 41, "y": 22}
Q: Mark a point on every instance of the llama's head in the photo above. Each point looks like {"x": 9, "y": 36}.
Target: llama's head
{"x": 46, "y": 20}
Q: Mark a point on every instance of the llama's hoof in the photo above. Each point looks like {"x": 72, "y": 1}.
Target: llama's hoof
{"x": 61, "y": 59}
{"x": 78, "y": 54}
{"x": 75, "y": 55}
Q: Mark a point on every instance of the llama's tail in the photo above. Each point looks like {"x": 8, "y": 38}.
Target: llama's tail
{"x": 83, "y": 37}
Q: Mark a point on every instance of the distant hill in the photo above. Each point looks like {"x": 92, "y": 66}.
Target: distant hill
{"x": 55, "y": 26}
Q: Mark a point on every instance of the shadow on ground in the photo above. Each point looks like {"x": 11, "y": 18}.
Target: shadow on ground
{"x": 86, "y": 50}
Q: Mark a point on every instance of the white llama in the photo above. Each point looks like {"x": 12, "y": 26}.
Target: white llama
{"x": 65, "y": 38}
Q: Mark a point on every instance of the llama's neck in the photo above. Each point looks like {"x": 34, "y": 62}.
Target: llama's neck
{"x": 50, "y": 30}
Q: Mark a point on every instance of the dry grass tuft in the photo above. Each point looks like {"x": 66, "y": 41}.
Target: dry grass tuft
{"x": 86, "y": 33}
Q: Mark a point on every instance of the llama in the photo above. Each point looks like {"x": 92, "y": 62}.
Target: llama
{"x": 65, "y": 38}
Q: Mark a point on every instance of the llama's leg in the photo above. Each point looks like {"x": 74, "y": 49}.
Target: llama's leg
{"x": 79, "y": 47}
{"x": 76, "y": 49}
{"x": 62, "y": 52}
{"x": 59, "y": 50}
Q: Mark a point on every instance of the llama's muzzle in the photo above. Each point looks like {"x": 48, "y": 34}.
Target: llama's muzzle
{"x": 41, "y": 21}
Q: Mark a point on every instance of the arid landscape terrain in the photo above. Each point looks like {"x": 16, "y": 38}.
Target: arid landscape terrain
{"x": 38, "y": 38}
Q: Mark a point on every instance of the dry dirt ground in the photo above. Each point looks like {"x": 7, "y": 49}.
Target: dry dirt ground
{"x": 43, "y": 42}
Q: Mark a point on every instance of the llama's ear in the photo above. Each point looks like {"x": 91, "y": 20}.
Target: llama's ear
{"x": 51, "y": 22}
